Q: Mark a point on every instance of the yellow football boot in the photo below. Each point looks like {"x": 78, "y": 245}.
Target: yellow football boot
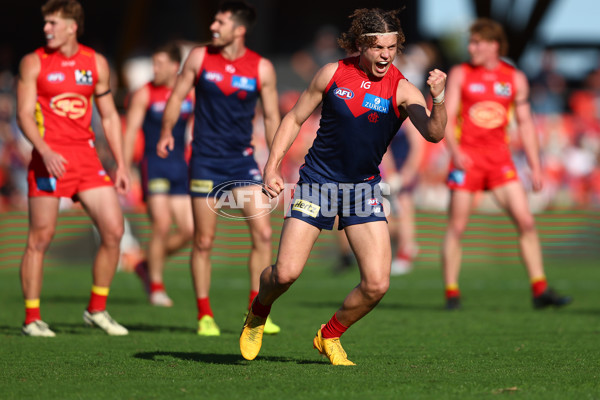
{"x": 251, "y": 336}
{"x": 332, "y": 349}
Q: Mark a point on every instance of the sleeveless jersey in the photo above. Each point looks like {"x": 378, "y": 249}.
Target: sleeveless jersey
{"x": 153, "y": 121}
{"x": 226, "y": 95}
{"x": 359, "y": 118}
{"x": 487, "y": 97}
{"x": 65, "y": 87}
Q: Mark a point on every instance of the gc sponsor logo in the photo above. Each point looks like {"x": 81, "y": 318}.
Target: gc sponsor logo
{"x": 70, "y": 105}
{"x": 488, "y": 114}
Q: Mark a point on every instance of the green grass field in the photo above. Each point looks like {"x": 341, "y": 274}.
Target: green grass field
{"x": 408, "y": 347}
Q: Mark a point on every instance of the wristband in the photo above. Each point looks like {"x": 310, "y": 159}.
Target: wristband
{"x": 439, "y": 99}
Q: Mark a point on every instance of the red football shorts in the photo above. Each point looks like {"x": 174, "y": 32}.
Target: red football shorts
{"x": 490, "y": 169}
{"x": 83, "y": 171}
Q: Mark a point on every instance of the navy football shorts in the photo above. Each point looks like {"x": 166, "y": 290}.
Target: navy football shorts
{"x": 164, "y": 176}
{"x": 318, "y": 201}
{"x": 209, "y": 174}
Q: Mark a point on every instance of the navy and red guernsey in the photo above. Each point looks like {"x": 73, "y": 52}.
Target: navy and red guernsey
{"x": 153, "y": 120}
{"x": 358, "y": 120}
{"x": 226, "y": 96}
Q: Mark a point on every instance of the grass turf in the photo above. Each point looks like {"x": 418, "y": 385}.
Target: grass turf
{"x": 408, "y": 347}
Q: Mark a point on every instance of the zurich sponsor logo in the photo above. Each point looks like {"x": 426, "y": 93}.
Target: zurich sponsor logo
{"x": 55, "y": 77}
{"x": 243, "y": 83}
{"x": 343, "y": 93}
{"x": 213, "y": 76}
{"x": 187, "y": 107}
{"x": 376, "y": 103}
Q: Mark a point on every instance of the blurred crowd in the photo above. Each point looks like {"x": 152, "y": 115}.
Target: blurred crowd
{"x": 567, "y": 118}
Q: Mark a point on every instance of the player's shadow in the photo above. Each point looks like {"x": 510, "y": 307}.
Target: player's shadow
{"x": 73, "y": 299}
{"x": 212, "y": 358}
{"x": 10, "y": 330}
{"x": 383, "y": 305}
{"x": 157, "y": 328}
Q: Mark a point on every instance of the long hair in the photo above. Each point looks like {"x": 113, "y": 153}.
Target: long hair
{"x": 366, "y": 21}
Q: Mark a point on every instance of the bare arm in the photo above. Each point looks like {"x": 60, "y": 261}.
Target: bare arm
{"x": 26, "y": 104}
{"x": 111, "y": 124}
{"x": 184, "y": 83}
{"x": 134, "y": 120}
{"x": 290, "y": 126}
{"x": 431, "y": 125}
{"x": 527, "y": 129}
{"x": 269, "y": 100}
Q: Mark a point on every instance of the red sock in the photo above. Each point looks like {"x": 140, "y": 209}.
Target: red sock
{"x": 253, "y": 294}
{"x": 539, "y": 285}
{"x": 204, "y": 307}
{"x": 32, "y": 311}
{"x": 452, "y": 291}
{"x": 404, "y": 256}
{"x": 98, "y": 299}
{"x": 157, "y": 287}
{"x": 333, "y": 329}
{"x": 259, "y": 309}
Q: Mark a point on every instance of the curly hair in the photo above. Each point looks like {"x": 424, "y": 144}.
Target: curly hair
{"x": 373, "y": 20}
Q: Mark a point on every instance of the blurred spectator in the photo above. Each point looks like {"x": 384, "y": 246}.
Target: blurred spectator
{"x": 324, "y": 49}
{"x": 15, "y": 153}
{"x": 548, "y": 88}
{"x": 415, "y": 61}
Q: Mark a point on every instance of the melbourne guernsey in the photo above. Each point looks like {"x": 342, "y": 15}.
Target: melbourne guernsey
{"x": 359, "y": 118}
{"x": 226, "y": 96}
{"x": 159, "y": 95}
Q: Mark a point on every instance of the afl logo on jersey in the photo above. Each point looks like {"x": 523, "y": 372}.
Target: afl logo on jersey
{"x": 55, "y": 77}
{"x": 158, "y": 106}
{"x": 213, "y": 76}
{"x": 70, "y": 105}
{"x": 343, "y": 93}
